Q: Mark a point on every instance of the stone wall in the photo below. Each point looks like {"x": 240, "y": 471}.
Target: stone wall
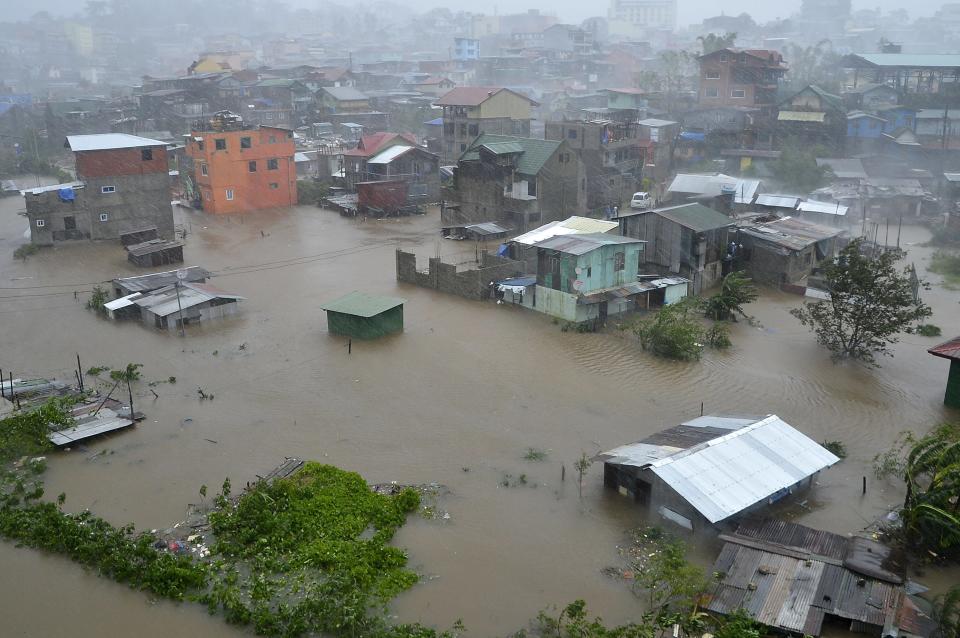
{"x": 472, "y": 284}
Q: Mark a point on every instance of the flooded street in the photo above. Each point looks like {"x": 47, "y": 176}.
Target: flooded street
{"x": 456, "y": 399}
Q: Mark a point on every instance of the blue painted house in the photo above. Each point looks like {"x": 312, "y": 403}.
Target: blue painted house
{"x": 865, "y": 126}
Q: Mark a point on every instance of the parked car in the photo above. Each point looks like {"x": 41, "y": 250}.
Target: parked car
{"x": 641, "y": 201}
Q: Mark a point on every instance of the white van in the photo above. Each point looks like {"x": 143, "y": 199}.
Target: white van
{"x": 641, "y": 201}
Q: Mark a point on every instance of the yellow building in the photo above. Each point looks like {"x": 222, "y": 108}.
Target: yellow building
{"x": 221, "y": 61}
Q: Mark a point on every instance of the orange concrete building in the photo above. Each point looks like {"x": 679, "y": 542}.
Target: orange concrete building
{"x": 243, "y": 169}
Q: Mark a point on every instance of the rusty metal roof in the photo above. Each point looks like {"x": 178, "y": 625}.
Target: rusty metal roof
{"x": 791, "y": 577}
{"x": 947, "y": 350}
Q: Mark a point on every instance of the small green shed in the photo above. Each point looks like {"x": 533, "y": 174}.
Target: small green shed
{"x": 950, "y": 351}
{"x": 362, "y": 316}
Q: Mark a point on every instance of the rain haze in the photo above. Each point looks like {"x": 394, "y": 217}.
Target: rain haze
{"x": 425, "y": 321}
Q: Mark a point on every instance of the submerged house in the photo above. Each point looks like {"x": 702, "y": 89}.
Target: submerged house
{"x": 523, "y": 247}
{"x": 798, "y": 580}
{"x": 174, "y": 306}
{"x": 362, "y": 316}
{"x": 714, "y": 469}
{"x": 690, "y": 240}
{"x": 154, "y": 281}
{"x": 584, "y": 277}
{"x": 785, "y": 251}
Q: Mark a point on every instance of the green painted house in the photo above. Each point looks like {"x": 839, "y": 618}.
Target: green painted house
{"x": 590, "y": 276}
{"x": 362, "y": 316}
{"x": 950, "y": 351}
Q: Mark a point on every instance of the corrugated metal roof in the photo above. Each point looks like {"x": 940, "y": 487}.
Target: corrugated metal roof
{"x": 729, "y": 474}
{"x": 743, "y": 190}
{"x": 913, "y": 60}
{"x": 582, "y": 244}
{"x": 827, "y": 208}
{"x": 487, "y": 228}
{"x": 778, "y": 201}
{"x": 571, "y": 226}
{"x": 109, "y": 141}
{"x": 844, "y": 168}
{"x": 388, "y": 155}
{"x": 166, "y": 301}
{"x": 801, "y": 116}
{"x": 696, "y": 217}
{"x": 952, "y": 177}
{"x": 345, "y": 93}
{"x": 791, "y": 233}
{"x": 361, "y": 304}
{"x": 947, "y": 350}
{"x": 122, "y": 302}
{"x": 534, "y": 155}
{"x": 157, "y": 280}
{"x": 474, "y": 96}
{"x": 503, "y": 148}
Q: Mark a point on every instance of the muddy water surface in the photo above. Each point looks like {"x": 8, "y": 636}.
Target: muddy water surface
{"x": 456, "y": 399}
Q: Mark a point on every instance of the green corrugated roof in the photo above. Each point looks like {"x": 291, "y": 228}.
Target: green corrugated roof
{"x": 932, "y": 60}
{"x": 361, "y": 304}
{"x": 696, "y": 217}
{"x": 504, "y": 148}
{"x": 534, "y": 153}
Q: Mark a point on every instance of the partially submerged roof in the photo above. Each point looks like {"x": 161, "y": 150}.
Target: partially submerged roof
{"x": 947, "y": 350}
{"x": 172, "y": 299}
{"x": 696, "y": 217}
{"x": 571, "y": 226}
{"x": 361, "y": 304}
{"x": 157, "y": 280}
{"x": 109, "y": 141}
{"x": 486, "y": 228}
{"x": 153, "y": 246}
{"x": 533, "y": 153}
{"x": 723, "y": 465}
{"x": 792, "y": 577}
{"x": 582, "y": 244}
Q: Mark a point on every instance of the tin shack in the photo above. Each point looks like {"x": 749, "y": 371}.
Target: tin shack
{"x": 362, "y": 316}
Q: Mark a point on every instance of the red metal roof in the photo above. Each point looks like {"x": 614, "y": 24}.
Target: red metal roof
{"x": 948, "y": 350}
{"x": 373, "y": 143}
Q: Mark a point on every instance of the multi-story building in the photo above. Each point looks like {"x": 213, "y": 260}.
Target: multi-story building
{"x": 466, "y": 49}
{"x": 122, "y": 186}
{"x": 628, "y": 19}
{"x": 611, "y": 155}
{"x": 740, "y": 77}
{"x": 521, "y": 181}
{"x": 469, "y": 111}
{"x": 233, "y": 168}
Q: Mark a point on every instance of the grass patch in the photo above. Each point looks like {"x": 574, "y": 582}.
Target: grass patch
{"x": 533, "y": 454}
{"x": 22, "y": 252}
{"x": 947, "y": 264}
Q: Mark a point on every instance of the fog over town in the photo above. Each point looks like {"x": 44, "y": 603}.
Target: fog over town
{"x": 406, "y": 320}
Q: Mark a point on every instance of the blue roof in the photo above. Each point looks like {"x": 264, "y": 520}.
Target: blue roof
{"x": 435, "y": 122}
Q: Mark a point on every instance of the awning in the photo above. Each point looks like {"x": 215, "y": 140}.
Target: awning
{"x": 801, "y": 116}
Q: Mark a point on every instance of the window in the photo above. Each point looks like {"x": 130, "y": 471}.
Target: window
{"x": 273, "y": 164}
{"x": 146, "y": 154}
{"x": 532, "y": 187}
{"x": 572, "y": 133}
{"x": 463, "y": 147}
{"x": 268, "y": 116}
{"x": 463, "y": 130}
{"x": 41, "y": 223}
{"x": 723, "y": 57}
{"x": 220, "y": 144}
{"x": 618, "y": 261}
{"x": 711, "y": 91}
{"x": 200, "y": 145}
{"x": 104, "y": 217}
{"x": 245, "y": 142}
{"x": 738, "y": 93}
{"x": 252, "y": 166}
{"x": 274, "y": 185}
{"x": 203, "y": 168}
{"x": 229, "y": 194}
{"x": 108, "y": 189}
{"x": 713, "y": 75}
{"x": 474, "y": 130}
{"x": 589, "y": 271}
{"x": 273, "y": 139}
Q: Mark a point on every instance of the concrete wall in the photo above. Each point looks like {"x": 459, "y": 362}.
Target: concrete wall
{"x": 472, "y": 283}
{"x": 137, "y": 202}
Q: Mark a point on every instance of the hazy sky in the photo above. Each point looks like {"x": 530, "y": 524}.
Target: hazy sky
{"x": 690, "y": 11}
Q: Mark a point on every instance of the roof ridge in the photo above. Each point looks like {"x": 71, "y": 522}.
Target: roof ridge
{"x": 715, "y": 441}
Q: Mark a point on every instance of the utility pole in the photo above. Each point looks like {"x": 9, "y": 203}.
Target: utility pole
{"x": 181, "y": 275}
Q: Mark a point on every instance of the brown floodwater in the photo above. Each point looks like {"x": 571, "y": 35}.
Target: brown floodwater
{"x": 456, "y": 399}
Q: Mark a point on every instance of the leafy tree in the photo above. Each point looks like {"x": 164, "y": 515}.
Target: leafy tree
{"x": 739, "y": 624}
{"x": 128, "y": 375}
{"x": 712, "y": 42}
{"x": 674, "y": 332}
{"x": 818, "y": 64}
{"x": 98, "y": 297}
{"x": 797, "y": 168}
{"x": 870, "y": 303}
{"x": 736, "y": 290}
{"x": 581, "y": 466}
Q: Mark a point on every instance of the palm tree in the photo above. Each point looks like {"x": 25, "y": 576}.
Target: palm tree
{"x": 946, "y": 613}
{"x": 931, "y": 508}
{"x": 129, "y": 374}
